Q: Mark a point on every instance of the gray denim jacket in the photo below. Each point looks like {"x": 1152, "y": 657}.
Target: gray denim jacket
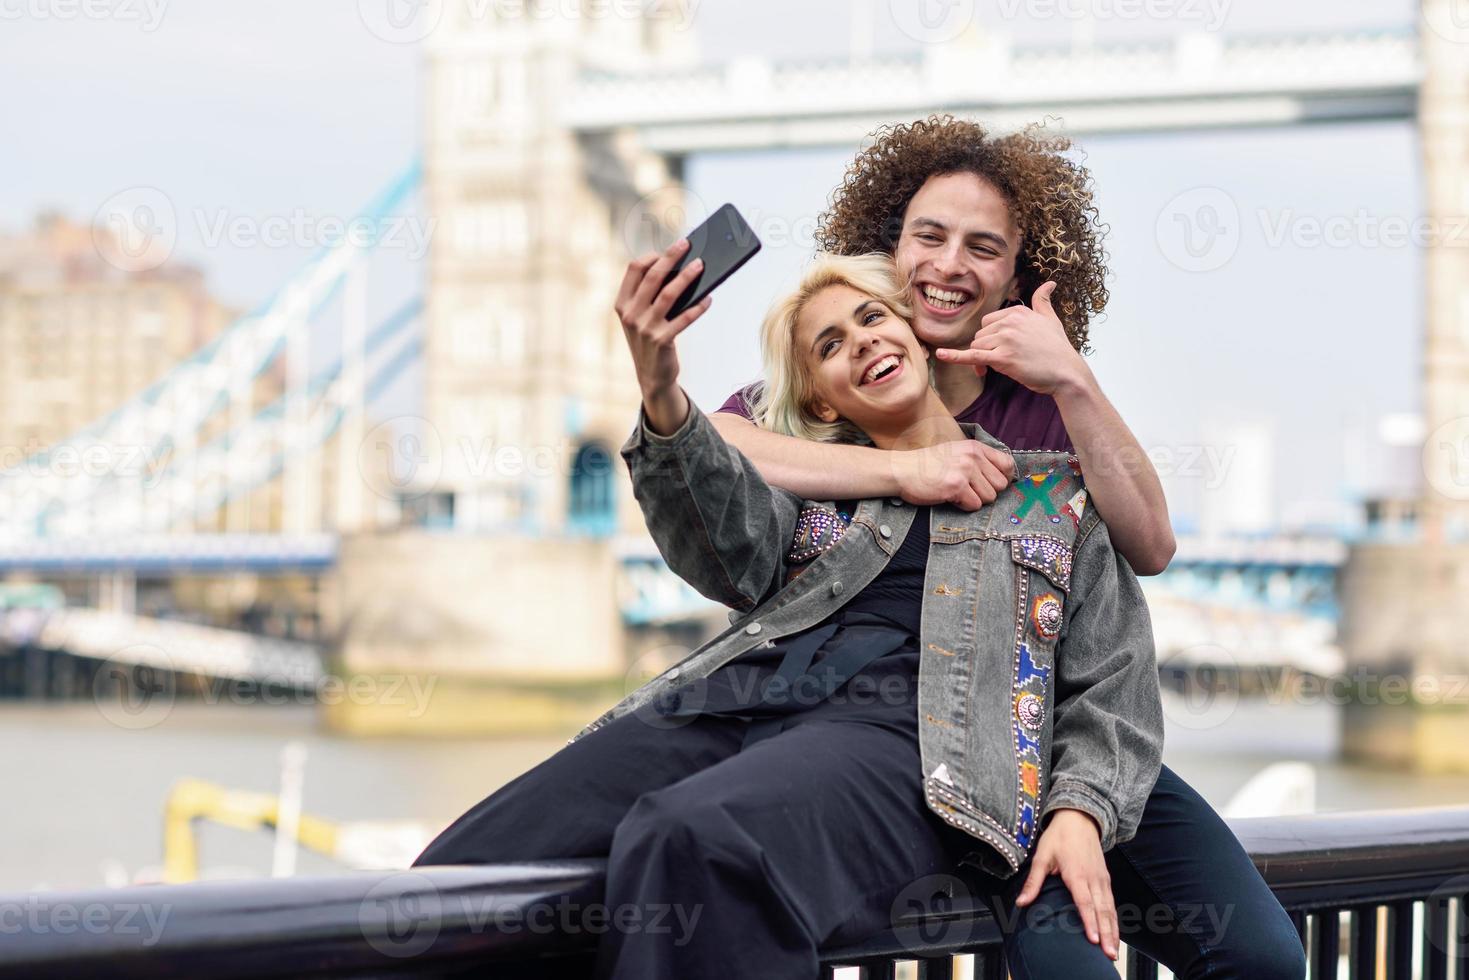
{"x": 1038, "y": 686}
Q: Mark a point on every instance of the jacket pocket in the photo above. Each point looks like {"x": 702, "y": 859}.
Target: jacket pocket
{"x": 818, "y": 530}
{"x": 1044, "y": 574}
{"x": 1047, "y": 555}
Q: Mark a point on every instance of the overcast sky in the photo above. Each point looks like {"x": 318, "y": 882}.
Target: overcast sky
{"x": 276, "y": 107}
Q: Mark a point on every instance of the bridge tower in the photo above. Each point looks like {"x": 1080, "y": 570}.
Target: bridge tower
{"x": 528, "y": 389}
{"x": 1401, "y": 626}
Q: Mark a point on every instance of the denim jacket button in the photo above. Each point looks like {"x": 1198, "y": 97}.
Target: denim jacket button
{"x": 673, "y": 674}
{"x": 896, "y": 501}
{"x": 836, "y": 588}
{"x": 753, "y": 628}
{"x": 885, "y": 531}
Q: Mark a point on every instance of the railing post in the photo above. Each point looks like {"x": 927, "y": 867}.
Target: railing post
{"x": 1326, "y": 954}
{"x": 1400, "y": 941}
{"x": 1362, "y": 958}
{"x": 1436, "y": 939}
{"x": 941, "y": 968}
{"x": 1140, "y": 966}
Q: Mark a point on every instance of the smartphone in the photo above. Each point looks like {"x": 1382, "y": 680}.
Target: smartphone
{"x": 725, "y": 242}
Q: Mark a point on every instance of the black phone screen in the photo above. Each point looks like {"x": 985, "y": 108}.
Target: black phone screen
{"x": 725, "y": 242}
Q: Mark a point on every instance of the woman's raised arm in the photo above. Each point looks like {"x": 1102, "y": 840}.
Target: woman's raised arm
{"x": 717, "y": 523}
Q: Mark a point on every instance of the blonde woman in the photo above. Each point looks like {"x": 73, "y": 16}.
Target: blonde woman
{"x": 901, "y": 690}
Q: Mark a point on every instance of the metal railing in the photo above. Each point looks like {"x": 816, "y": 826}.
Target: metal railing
{"x": 1382, "y": 893}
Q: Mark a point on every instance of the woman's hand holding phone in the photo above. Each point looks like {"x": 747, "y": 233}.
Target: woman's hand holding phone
{"x": 642, "y": 307}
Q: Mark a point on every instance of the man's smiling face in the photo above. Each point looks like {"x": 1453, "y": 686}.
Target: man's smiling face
{"x": 958, "y": 246}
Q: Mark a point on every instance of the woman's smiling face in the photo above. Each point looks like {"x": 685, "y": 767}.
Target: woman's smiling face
{"x": 865, "y": 363}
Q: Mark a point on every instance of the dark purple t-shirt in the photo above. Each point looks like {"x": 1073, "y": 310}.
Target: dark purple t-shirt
{"x": 1006, "y": 409}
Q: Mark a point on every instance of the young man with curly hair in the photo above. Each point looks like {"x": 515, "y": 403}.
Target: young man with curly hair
{"x": 981, "y": 225}
{"x": 999, "y": 240}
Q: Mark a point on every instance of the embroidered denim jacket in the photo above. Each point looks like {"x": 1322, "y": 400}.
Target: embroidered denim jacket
{"x": 1038, "y": 686}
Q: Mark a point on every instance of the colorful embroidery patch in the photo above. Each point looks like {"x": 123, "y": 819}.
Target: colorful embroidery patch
{"x": 1048, "y": 555}
{"x": 817, "y": 529}
{"x": 1028, "y": 711}
{"x": 1030, "y": 779}
{"x": 1030, "y": 689}
{"x": 1035, "y": 488}
{"x": 1045, "y": 613}
{"x": 1075, "y": 506}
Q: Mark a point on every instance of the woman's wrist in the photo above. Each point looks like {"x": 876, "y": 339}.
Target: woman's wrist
{"x": 666, "y": 409}
{"x": 1080, "y": 818}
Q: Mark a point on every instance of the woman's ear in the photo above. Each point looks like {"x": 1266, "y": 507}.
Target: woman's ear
{"x": 823, "y": 411}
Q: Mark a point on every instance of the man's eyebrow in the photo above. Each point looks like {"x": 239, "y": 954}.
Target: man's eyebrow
{"x": 935, "y": 223}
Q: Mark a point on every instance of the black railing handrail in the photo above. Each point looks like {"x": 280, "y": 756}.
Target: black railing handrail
{"x": 438, "y": 921}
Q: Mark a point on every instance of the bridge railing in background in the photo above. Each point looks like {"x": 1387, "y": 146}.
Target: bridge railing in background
{"x": 1372, "y": 894}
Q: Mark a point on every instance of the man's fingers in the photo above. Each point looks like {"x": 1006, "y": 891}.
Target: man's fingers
{"x": 994, "y": 480}
{"x": 967, "y": 499}
{"x": 1002, "y": 461}
{"x": 1040, "y": 300}
{"x": 965, "y": 355}
{"x": 990, "y": 319}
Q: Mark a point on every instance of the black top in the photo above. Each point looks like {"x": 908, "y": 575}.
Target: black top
{"x": 897, "y": 592}
{"x": 875, "y": 633}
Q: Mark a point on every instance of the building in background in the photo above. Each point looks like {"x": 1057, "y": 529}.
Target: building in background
{"x": 80, "y": 335}
{"x": 520, "y": 575}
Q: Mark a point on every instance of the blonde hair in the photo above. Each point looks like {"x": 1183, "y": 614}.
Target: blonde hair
{"x": 783, "y": 403}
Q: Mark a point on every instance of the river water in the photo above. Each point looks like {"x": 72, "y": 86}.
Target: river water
{"x": 84, "y": 798}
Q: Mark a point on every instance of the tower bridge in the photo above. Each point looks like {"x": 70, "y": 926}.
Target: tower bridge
{"x": 534, "y": 130}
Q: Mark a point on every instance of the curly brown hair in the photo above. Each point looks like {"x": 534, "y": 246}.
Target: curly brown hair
{"x": 1051, "y": 203}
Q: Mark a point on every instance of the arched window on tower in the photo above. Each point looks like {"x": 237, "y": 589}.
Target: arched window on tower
{"x": 590, "y": 506}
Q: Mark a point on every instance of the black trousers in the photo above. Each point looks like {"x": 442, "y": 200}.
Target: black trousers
{"x": 727, "y": 860}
